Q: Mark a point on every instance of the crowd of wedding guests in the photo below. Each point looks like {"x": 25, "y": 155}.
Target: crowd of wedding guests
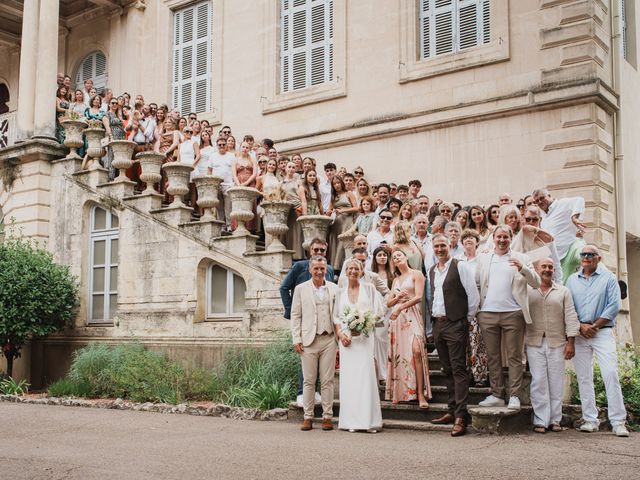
{"x": 487, "y": 286}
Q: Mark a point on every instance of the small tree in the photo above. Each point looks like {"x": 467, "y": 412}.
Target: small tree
{"x": 37, "y": 296}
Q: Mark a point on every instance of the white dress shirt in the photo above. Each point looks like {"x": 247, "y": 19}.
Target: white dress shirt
{"x": 467, "y": 278}
{"x": 557, "y": 221}
{"x": 499, "y": 294}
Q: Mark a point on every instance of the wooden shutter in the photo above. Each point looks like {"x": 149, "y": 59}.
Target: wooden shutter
{"x": 94, "y": 67}
{"x": 306, "y": 36}
{"x": 191, "y": 89}
{"x": 450, "y": 26}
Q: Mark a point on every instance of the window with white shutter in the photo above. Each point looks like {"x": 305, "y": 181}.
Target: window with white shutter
{"x": 191, "y": 86}
{"x": 93, "y": 67}
{"x": 306, "y": 43}
{"x": 451, "y": 26}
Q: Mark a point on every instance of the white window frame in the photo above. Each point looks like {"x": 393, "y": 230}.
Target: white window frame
{"x": 273, "y": 98}
{"x": 229, "y": 312}
{"x": 414, "y": 67}
{"x": 99, "y": 81}
{"x": 108, "y": 235}
{"x": 178, "y": 47}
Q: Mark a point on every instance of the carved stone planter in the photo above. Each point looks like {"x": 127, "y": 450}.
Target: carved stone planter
{"x": 346, "y": 239}
{"x": 178, "y": 177}
{"x": 122, "y": 157}
{"x": 275, "y": 222}
{"x": 242, "y": 201}
{"x": 73, "y": 136}
{"x": 208, "y": 190}
{"x": 151, "y": 167}
{"x": 94, "y": 149}
{"x": 313, "y": 226}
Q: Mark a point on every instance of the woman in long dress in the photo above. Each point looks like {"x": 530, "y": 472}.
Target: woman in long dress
{"x": 62, "y": 107}
{"x": 309, "y": 193}
{"x": 359, "y": 395}
{"x": 343, "y": 207}
{"x": 245, "y": 171}
{"x": 189, "y": 154}
{"x": 290, "y": 184}
{"x": 115, "y": 131}
{"x": 381, "y": 265}
{"x": 407, "y": 361}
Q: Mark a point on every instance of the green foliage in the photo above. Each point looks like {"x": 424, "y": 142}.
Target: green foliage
{"x": 629, "y": 374}
{"x": 247, "y": 377}
{"x": 9, "y": 386}
{"x": 37, "y": 296}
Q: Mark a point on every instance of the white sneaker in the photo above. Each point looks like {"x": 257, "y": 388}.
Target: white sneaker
{"x": 620, "y": 430}
{"x": 514, "y": 403}
{"x": 492, "y": 401}
{"x": 318, "y": 399}
{"x": 299, "y": 401}
{"x": 589, "y": 427}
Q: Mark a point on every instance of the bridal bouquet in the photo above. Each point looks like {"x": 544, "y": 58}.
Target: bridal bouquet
{"x": 358, "y": 322}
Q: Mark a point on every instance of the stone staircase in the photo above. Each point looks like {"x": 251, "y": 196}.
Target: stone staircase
{"x": 409, "y": 416}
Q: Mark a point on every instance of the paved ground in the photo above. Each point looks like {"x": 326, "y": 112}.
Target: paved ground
{"x": 51, "y": 442}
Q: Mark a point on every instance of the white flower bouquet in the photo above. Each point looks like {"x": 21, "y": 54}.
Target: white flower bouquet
{"x": 358, "y": 322}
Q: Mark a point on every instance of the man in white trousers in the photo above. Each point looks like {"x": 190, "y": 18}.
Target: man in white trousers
{"x": 596, "y": 295}
{"x": 549, "y": 339}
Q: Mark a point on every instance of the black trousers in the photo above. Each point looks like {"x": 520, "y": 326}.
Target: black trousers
{"x": 451, "y": 339}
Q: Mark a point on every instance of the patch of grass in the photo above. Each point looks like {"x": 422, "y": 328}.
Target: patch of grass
{"x": 251, "y": 377}
{"x": 9, "y": 386}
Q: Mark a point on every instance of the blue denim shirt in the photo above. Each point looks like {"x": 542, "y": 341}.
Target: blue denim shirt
{"x": 597, "y": 296}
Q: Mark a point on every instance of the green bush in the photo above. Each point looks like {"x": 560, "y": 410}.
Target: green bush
{"x": 249, "y": 377}
{"x": 9, "y": 386}
{"x": 629, "y": 373}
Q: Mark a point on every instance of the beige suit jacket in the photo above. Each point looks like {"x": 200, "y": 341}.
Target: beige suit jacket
{"x": 527, "y": 275}
{"x": 304, "y": 323}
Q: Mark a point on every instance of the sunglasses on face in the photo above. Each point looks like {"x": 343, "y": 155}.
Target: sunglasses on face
{"x": 385, "y": 218}
{"x": 531, "y": 219}
{"x": 318, "y": 250}
{"x": 445, "y": 211}
{"x": 188, "y": 131}
{"x": 588, "y": 254}
{"x": 520, "y": 205}
{"x": 227, "y": 132}
{"x": 358, "y": 173}
{"x": 222, "y": 144}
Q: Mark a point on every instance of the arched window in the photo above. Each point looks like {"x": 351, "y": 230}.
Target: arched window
{"x": 93, "y": 67}
{"x": 225, "y": 293}
{"x": 4, "y": 98}
{"x": 103, "y": 266}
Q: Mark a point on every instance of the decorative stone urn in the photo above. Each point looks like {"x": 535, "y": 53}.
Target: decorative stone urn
{"x": 242, "y": 201}
{"x": 94, "y": 149}
{"x": 73, "y": 136}
{"x": 178, "y": 178}
{"x": 150, "y": 168}
{"x": 346, "y": 239}
{"x": 313, "y": 226}
{"x": 208, "y": 190}
{"x": 275, "y": 222}
{"x": 122, "y": 157}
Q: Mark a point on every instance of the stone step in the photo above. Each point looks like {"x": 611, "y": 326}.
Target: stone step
{"x": 415, "y": 425}
{"x": 439, "y": 394}
{"x": 400, "y": 411}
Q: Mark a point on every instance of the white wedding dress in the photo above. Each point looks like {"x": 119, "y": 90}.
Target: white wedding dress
{"x": 359, "y": 395}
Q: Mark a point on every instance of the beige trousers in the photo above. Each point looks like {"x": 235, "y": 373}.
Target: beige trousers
{"x": 320, "y": 355}
{"x": 507, "y": 327}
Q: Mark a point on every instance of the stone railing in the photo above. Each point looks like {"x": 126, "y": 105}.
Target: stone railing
{"x": 8, "y": 129}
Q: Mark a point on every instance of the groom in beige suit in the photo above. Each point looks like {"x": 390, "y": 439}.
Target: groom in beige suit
{"x": 313, "y": 338}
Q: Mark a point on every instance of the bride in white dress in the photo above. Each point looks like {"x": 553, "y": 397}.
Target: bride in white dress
{"x": 359, "y": 395}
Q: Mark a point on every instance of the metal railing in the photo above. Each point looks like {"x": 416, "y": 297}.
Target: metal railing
{"x": 8, "y": 129}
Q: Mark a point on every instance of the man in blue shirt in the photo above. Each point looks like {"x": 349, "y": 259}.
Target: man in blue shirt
{"x": 298, "y": 274}
{"x": 596, "y": 295}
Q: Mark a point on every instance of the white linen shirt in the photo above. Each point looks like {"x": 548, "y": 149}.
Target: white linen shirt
{"x": 221, "y": 166}
{"x": 499, "y": 294}
{"x": 375, "y": 239}
{"x": 325, "y": 194}
{"x": 467, "y": 278}
{"x": 557, "y": 221}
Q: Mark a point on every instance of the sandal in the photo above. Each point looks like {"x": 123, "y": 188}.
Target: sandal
{"x": 539, "y": 429}
{"x": 555, "y": 427}
{"x": 424, "y": 405}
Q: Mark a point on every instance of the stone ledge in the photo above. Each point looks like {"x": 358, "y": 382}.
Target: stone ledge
{"x": 209, "y": 410}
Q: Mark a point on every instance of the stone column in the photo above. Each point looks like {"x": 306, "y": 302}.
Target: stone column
{"x": 28, "y": 59}
{"x": 45, "y": 118}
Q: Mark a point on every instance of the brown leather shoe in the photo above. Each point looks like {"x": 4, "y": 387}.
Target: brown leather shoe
{"x": 307, "y": 424}
{"x": 443, "y": 420}
{"x": 327, "y": 424}
{"x": 459, "y": 428}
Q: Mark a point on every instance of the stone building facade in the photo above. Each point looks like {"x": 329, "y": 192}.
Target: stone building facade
{"x": 474, "y": 97}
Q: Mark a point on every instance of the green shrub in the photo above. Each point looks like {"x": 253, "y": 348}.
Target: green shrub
{"x": 9, "y": 386}
{"x": 249, "y": 377}
{"x": 629, "y": 373}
